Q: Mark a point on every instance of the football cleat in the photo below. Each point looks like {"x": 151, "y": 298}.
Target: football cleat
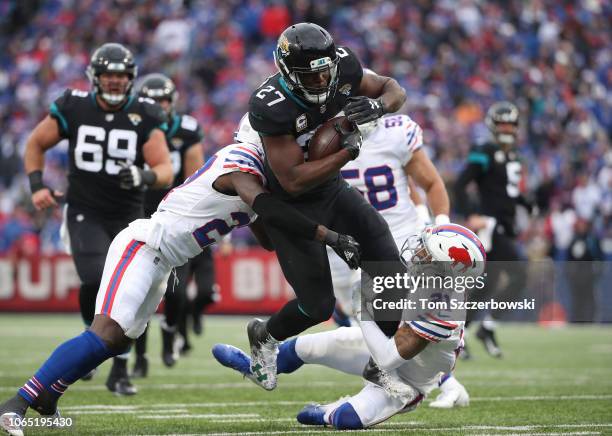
{"x": 141, "y": 367}
{"x": 389, "y": 381}
{"x": 264, "y": 349}
{"x": 312, "y": 414}
{"x": 12, "y": 412}
{"x": 121, "y": 386}
{"x": 10, "y": 422}
{"x": 487, "y": 337}
{"x": 169, "y": 353}
{"x": 232, "y": 357}
{"x": 453, "y": 394}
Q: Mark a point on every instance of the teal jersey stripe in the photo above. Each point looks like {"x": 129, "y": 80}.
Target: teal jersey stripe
{"x": 55, "y": 112}
{"x": 290, "y": 94}
{"x": 479, "y": 158}
{"x": 175, "y": 125}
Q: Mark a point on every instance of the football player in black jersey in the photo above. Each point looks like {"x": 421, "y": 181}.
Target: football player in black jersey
{"x": 496, "y": 169}
{"x": 184, "y": 137}
{"x": 111, "y": 135}
{"x": 315, "y": 81}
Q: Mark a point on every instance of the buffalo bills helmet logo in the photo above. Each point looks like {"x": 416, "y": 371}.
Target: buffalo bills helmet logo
{"x": 460, "y": 255}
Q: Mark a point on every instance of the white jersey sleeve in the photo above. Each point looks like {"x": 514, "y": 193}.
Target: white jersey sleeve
{"x": 245, "y": 157}
{"x": 434, "y": 329}
{"x": 410, "y": 137}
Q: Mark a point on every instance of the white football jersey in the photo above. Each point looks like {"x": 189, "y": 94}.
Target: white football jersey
{"x": 195, "y": 215}
{"x": 378, "y": 173}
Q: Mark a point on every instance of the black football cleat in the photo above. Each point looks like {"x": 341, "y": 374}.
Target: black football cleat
{"x": 121, "y": 386}
{"x": 487, "y": 337}
{"x": 169, "y": 356}
{"x": 141, "y": 367}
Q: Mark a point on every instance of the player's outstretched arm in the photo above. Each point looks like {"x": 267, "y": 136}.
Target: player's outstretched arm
{"x": 157, "y": 156}
{"x": 44, "y": 136}
{"x": 391, "y": 353}
{"x": 296, "y": 176}
{"x": 421, "y": 169}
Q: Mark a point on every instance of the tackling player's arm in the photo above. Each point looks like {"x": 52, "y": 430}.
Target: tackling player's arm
{"x": 421, "y": 169}
{"x": 378, "y": 95}
{"x": 274, "y": 212}
{"x": 391, "y": 353}
{"x": 419, "y": 205}
{"x": 44, "y": 136}
{"x": 294, "y": 174}
{"x": 193, "y": 160}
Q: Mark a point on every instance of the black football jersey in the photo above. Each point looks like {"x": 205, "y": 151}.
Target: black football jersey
{"x": 497, "y": 174}
{"x": 98, "y": 142}
{"x": 183, "y": 132}
{"x": 275, "y": 111}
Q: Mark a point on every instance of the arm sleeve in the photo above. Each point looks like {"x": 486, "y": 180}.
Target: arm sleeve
{"x": 277, "y": 213}
{"x": 383, "y": 349}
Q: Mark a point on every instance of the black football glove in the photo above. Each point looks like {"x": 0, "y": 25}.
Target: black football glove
{"x": 131, "y": 176}
{"x": 351, "y": 140}
{"x": 346, "y": 247}
{"x": 362, "y": 109}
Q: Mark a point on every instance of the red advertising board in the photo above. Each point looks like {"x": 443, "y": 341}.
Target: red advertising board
{"x": 250, "y": 281}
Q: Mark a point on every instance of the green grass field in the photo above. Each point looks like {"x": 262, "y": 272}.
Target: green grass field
{"x": 552, "y": 381}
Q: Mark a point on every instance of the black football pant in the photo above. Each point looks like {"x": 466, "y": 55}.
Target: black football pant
{"x": 502, "y": 259}
{"x": 90, "y": 238}
{"x": 306, "y": 266}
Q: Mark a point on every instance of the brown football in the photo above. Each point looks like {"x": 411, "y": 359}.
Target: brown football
{"x": 326, "y": 139}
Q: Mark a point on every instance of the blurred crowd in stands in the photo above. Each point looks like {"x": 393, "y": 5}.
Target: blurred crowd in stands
{"x": 553, "y": 58}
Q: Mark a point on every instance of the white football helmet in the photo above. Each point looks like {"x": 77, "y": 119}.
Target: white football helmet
{"x": 453, "y": 245}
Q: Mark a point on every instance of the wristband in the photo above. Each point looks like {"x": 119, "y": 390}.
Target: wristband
{"x": 423, "y": 213}
{"x": 36, "y": 182}
{"x": 149, "y": 177}
{"x": 441, "y": 219}
{"x": 331, "y": 237}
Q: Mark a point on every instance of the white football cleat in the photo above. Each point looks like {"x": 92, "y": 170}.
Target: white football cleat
{"x": 264, "y": 349}
{"x": 10, "y": 422}
{"x": 453, "y": 395}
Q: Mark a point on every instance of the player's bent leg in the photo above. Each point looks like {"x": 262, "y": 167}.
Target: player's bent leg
{"x": 343, "y": 349}
{"x": 129, "y": 293}
{"x": 453, "y": 394}
{"x": 69, "y": 362}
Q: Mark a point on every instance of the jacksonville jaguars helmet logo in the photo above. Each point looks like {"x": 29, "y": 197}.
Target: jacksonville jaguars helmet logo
{"x": 283, "y": 45}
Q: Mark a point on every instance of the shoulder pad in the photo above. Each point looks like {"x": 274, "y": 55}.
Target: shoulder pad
{"x": 191, "y": 130}
{"x": 350, "y": 68}
{"x": 271, "y": 112}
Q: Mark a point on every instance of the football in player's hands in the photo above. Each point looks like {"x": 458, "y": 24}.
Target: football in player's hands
{"x": 326, "y": 140}
{"x": 361, "y": 109}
